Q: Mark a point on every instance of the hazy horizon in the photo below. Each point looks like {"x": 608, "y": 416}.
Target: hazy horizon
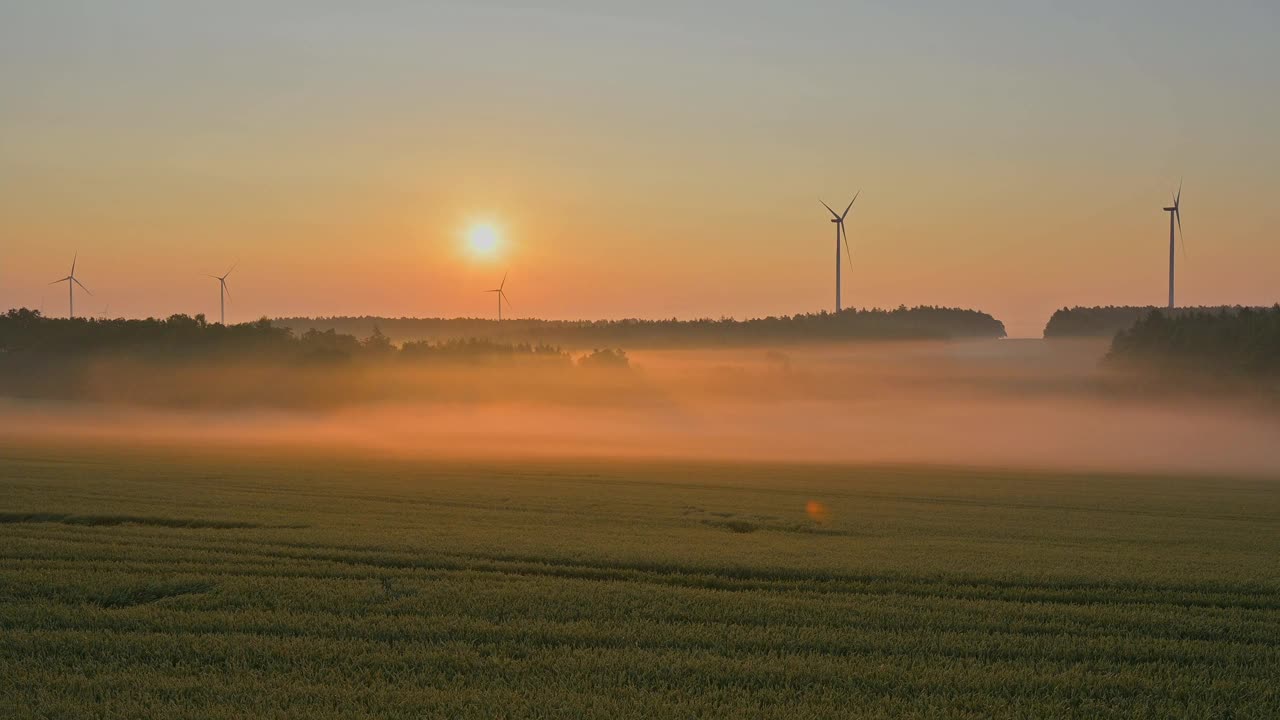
{"x": 645, "y": 162}
{"x": 1028, "y": 406}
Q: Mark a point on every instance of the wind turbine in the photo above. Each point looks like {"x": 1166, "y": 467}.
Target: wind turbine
{"x": 502, "y": 295}
{"x": 223, "y": 294}
{"x": 71, "y": 282}
{"x": 1175, "y": 216}
{"x": 838, "y": 219}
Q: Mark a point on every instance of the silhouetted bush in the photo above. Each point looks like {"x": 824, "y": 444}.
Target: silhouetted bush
{"x": 606, "y": 358}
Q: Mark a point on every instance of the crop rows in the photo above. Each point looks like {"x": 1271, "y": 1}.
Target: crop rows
{"x": 155, "y": 585}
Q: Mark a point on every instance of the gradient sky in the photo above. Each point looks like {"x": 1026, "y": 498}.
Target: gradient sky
{"x": 643, "y": 159}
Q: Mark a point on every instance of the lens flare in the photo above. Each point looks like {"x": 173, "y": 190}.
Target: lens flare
{"x": 817, "y": 512}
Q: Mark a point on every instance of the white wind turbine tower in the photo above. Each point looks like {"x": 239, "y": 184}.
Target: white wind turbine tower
{"x": 1175, "y": 216}
{"x": 223, "y": 294}
{"x": 838, "y": 219}
{"x": 502, "y": 295}
{"x": 71, "y": 282}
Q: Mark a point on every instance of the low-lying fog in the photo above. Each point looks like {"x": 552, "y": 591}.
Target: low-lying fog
{"x": 1015, "y": 403}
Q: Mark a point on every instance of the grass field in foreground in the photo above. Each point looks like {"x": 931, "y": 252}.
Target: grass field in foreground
{"x": 172, "y": 584}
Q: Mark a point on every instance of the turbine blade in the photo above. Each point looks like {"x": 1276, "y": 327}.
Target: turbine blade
{"x": 82, "y": 287}
{"x": 847, "y": 252}
{"x": 504, "y": 280}
{"x": 828, "y": 207}
{"x": 225, "y": 289}
{"x": 1177, "y": 214}
{"x": 851, "y": 202}
{"x": 504, "y": 297}
{"x": 1178, "y": 198}
{"x": 73, "y": 263}
{"x": 55, "y": 282}
{"x": 233, "y": 267}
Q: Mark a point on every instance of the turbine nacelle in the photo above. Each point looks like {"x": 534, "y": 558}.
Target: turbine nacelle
{"x": 224, "y": 292}
{"x": 502, "y": 295}
{"x": 72, "y": 281}
{"x": 839, "y": 217}
{"x": 841, "y": 235}
{"x": 1175, "y": 232}
{"x": 1176, "y": 208}
{"x": 1175, "y": 216}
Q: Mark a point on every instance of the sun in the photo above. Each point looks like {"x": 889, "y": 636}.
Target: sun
{"x": 483, "y": 239}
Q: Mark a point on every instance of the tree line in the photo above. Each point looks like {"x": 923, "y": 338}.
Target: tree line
{"x": 902, "y": 323}
{"x": 1225, "y": 343}
{"x": 26, "y": 336}
{"x": 1109, "y": 320}
{"x": 188, "y": 362}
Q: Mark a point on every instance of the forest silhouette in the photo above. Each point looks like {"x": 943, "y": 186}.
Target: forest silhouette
{"x": 902, "y": 323}
{"x": 1234, "y": 343}
{"x": 1106, "y": 321}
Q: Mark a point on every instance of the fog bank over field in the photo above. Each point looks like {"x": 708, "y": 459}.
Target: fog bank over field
{"x": 992, "y": 403}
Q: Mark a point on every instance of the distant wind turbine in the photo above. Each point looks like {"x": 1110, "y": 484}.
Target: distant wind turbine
{"x": 71, "y": 282}
{"x": 502, "y": 295}
{"x": 838, "y": 219}
{"x": 1175, "y": 216}
{"x": 223, "y": 294}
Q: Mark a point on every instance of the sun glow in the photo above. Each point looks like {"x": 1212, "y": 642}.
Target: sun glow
{"x": 483, "y": 239}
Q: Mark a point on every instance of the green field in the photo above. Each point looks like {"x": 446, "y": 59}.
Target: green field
{"x": 171, "y": 583}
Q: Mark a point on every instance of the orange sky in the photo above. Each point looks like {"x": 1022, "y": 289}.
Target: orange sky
{"x": 647, "y": 163}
